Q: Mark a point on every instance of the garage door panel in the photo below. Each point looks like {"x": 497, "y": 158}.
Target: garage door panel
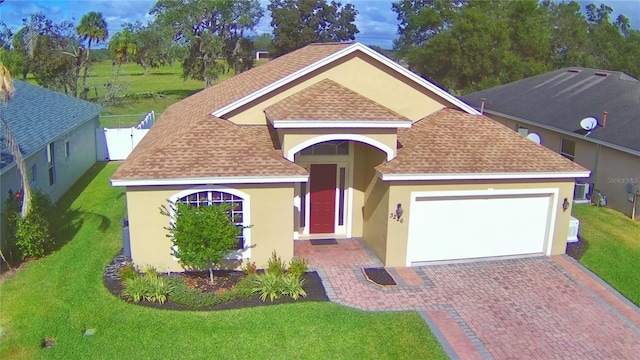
{"x": 461, "y": 228}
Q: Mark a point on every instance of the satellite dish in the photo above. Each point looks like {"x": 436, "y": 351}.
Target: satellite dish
{"x": 534, "y": 137}
{"x": 588, "y": 123}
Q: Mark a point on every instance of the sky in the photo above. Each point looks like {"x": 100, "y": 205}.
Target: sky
{"x": 376, "y": 21}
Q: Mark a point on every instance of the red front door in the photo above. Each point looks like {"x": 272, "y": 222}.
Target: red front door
{"x": 322, "y": 188}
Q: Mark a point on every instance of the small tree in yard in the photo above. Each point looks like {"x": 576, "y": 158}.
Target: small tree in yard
{"x": 202, "y": 236}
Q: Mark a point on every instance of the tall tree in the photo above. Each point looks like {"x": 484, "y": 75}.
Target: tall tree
{"x": 211, "y": 29}
{"x": 123, "y": 47}
{"x": 420, "y": 20}
{"x": 53, "y": 52}
{"x": 263, "y": 41}
{"x": 569, "y": 34}
{"x": 92, "y": 29}
{"x": 606, "y": 42}
{"x": 297, "y": 23}
{"x": 153, "y": 44}
{"x": 477, "y": 44}
{"x": 6, "y": 92}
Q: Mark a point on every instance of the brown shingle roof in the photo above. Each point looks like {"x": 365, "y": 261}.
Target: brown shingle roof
{"x": 328, "y": 100}
{"x": 211, "y": 99}
{"x": 454, "y": 142}
{"x": 187, "y": 118}
{"x": 212, "y": 148}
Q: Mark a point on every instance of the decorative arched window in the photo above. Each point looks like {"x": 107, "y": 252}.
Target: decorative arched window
{"x": 211, "y": 198}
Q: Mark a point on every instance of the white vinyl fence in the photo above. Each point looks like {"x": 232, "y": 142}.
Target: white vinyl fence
{"x": 117, "y": 143}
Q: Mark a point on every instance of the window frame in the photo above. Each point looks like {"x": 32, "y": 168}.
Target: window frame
{"x": 51, "y": 163}
{"x": 67, "y": 150}
{"x": 519, "y": 129}
{"x": 566, "y": 154}
{"x": 34, "y": 174}
{"x": 339, "y": 147}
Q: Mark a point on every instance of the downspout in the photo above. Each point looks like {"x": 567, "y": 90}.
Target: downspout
{"x": 595, "y": 168}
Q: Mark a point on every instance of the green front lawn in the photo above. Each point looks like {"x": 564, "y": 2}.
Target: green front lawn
{"x": 62, "y": 294}
{"x": 613, "y": 251}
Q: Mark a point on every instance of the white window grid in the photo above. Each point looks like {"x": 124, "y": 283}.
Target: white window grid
{"x": 210, "y": 198}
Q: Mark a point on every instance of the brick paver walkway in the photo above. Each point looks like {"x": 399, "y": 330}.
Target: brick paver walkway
{"x": 540, "y": 307}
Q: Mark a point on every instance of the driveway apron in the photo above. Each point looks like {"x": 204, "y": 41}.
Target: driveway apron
{"x": 538, "y": 307}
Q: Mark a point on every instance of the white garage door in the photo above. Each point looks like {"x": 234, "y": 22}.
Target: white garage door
{"x": 464, "y": 227}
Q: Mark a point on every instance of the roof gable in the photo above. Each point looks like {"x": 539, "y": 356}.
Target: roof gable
{"x": 561, "y": 98}
{"x": 328, "y": 103}
{"x": 341, "y": 53}
{"x": 38, "y": 116}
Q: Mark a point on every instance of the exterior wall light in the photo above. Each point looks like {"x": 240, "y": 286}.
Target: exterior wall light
{"x": 399, "y": 212}
{"x": 565, "y": 204}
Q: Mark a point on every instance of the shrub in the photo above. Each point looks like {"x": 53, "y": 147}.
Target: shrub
{"x": 269, "y": 285}
{"x": 275, "y": 265}
{"x": 150, "y": 286}
{"x": 249, "y": 268}
{"x": 202, "y": 236}
{"x": 298, "y": 266}
{"x": 244, "y": 287}
{"x": 181, "y": 294}
{"x": 32, "y": 235}
{"x": 127, "y": 271}
{"x": 292, "y": 286}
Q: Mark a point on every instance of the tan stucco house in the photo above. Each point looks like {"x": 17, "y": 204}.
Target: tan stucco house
{"x": 552, "y": 106}
{"x": 337, "y": 141}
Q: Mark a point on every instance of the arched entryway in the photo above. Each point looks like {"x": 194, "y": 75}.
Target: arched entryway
{"x": 341, "y": 170}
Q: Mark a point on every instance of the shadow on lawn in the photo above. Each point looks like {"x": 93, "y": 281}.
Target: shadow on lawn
{"x": 180, "y": 93}
{"x": 67, "y": 220}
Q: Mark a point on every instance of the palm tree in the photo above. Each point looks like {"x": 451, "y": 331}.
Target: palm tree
{"x": 6, "y": 91}
{"x": 93, "y": 28}
{"x": 123, "y": 44}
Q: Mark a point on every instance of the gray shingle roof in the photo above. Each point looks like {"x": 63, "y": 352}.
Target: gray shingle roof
{"x": 37, "y": 116}
{"x": 562, "y": 98}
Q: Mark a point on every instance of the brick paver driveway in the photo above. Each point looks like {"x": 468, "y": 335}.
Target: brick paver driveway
{"x": 540, "y": 307}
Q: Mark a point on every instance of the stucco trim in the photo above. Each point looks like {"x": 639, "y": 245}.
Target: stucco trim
{"x": 246, "y": 215}
{"x": 328, "y": 137}
{"x": 332, "y": 124}
{"x": 483, "y": 176}
{"x": 336, "y": 56}
{"x": 212, "y": 180}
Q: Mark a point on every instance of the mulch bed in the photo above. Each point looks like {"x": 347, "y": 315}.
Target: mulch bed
{"x": 379, "y": 276}
{"x": 226, "y": 279}
{"x": 577, "y": 249}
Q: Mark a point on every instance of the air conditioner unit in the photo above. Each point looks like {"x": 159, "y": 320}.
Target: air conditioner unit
{"x": 574, "y": 227}
{"x": 581, "y": 192}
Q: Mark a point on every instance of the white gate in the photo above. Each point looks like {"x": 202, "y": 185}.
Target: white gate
{"x": 117, "y": 143}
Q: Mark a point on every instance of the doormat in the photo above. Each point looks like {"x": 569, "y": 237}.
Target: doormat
{"x": 324, "y": 242}
{"x": 379, "y": 276}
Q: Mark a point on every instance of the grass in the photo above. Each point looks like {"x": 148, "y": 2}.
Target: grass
{"x": 162, "y": 87}
{"x": 613, "y": 251}
{"x": 61, "y": 295}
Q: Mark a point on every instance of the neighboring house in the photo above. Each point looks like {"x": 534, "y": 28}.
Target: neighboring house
{"x": 337, "y": 141}
{"x": 262, "y": 55}
{"x": 552, "y": 105}
{"x": 56, "y": 134}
